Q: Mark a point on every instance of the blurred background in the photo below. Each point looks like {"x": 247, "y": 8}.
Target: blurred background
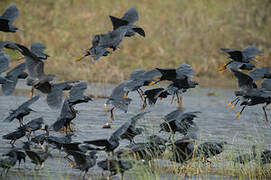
{"x": 177, "y": 31}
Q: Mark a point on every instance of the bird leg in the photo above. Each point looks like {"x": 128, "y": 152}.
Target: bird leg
{"x": 231, "y": 102}
{"x": 179, "y": 101}
{"x": 172, "y": 99}
{"x": 144, "y": 104}
{"x": 140, "y": 94}
{"x": 239, "y": 113}
{"x": 31, "y": 93}
{"x": 111, "y": 116}
{"x": 233, "y": 106}
{"x": 265, "y": 114}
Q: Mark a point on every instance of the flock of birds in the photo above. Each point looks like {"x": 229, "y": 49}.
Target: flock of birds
{"x": 84, "y": 154}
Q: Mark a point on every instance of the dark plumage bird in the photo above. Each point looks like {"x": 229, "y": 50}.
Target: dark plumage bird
{"x": 20, "y": 155}
{"x": 260, "y": 73}
{"x": 84, "y": 161}
{"x": 129, "y": 18}
{"x": 183, "y": 148}
{"x": 247, "y": 157}
{"x": 237, "y": 65}
{"x": 68, "y": 113}
{"x": 153, "y": 148}
{"x": 37, "y": 48}
{"x": 7, "y": 19}
{"x": 22, "y": 110}
{"x": 37, "y": 157}
{"x": 33, "y": 125}
{"x": 118, "y": 99}
{"x": 115, "y": 165}
{"x": 132, "y": 131}
{"x": 180, "y": 123}
{"x": 4, "y": 59}
{"x": 8, "y": 162}
{"x": 76, "y": 94}
{"x": 112, "y": 142}
{"x": 152, "y": 95}
{"x": 58, "y": 142}
{"x": 209, "y": 149}
{"x": 265, "y": 157}
{"x": 40, "y": 139}
{"x": 14, "y": 136}
{"x": 12, "y": 77}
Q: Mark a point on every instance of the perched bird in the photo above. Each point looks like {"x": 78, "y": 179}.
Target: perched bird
{"x": 84, "y": 161}
{"x": 247, "y": 157}
{"x": 40, "y": 139}
{"x": 22, "y": 111}
{"x": 8, "y": 162}
{"x": 7, "y": 19}
{"x": 153, "y": 148}
{"x": 37, "y": 157}
{"x": 183, "y": 148}
{"x": 12, "y": 77}
{"x": 132, "y": 131}
{"x": 242, "y": 56}
{"x": 20, "y": 155}
{"x": 209, "y": 149}
{"x": 115, "y": 165}
{"x": 112, "y": 142}
{"x": 13, "y": 136}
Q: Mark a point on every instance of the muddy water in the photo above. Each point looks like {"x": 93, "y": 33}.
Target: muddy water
{"x": 215, "y": 122}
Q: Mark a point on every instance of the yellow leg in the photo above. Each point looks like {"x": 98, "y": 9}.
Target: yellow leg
{"x": 228, "y": 104}
{"x": 238, "y": 115}
{"x": 31, "y": 93}
{"x": 171, "y": 100}
{"x": 143, "y": 106}
{"x": 125, "y": 95}
{"x": 232, "y": 107}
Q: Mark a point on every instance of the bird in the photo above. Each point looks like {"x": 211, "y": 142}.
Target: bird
{"x": 13, "y": 136}
{"x": 118, "y": 99}
{"x": 151, "y": 95}
{"x": 154, "y": 147}
{"x": 182, "y": 124}
{"x": 40, "y": 139}
{"x": 33, "y": 125}
{"x": 12, "y": 78}
{"x": 67, "y": 114}
{"x": 209, "y": 149}
{"x": 4, "y": 58}
{"x": 132, "y": 131}
{"x": 236, "y": 65}
{"x": 7, "y": 19}
{"x": 265, "y": 157}
{"x": 115, "y": 165}
{"x": 247, "y": 157}
{"x": 37, "y": 157}
{"x": 84, "y": 161}
{"x": 8, "y": 162}
{"x": 129, "y": 18}
{"x": 37, "y": 48}
{"x": 21, "y": 155}
{"x": 183, "y": 148}
{"x": 22, "y": 111}
{"x": 112, "y": 142}
{"x": 76, "y": 94}
{"x": 243, "y": 56}
{"x": 58, "y": 142}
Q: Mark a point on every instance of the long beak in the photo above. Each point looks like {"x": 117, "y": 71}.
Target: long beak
{"x": 80, "y": 58}
{"x": 222, "y": 68}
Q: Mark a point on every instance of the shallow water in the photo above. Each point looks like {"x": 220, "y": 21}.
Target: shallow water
{"x": 216, "y": 123}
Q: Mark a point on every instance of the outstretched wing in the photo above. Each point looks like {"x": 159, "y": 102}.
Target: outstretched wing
{"x": 11, "y": 13}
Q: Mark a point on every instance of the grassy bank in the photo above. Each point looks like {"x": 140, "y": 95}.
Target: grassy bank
{"x": 176, "y": 32}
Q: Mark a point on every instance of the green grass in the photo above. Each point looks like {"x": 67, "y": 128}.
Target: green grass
{"x": 176, "y": 32}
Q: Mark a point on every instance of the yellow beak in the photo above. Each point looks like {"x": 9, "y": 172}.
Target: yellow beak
{"x": 79, "y": 59}
{"x": 222, "y": 68}
{"x": 238, "y": 115}
{"x": 151, "y": 83}
{"x": 228, "y": 104}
